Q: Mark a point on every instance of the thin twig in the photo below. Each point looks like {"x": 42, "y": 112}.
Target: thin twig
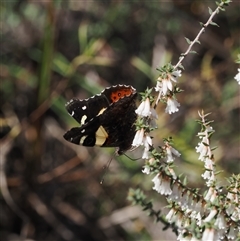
{"x": 198, "y": 36}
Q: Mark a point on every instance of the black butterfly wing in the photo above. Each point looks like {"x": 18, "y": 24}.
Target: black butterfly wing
{"x": 118, "y": 120}
{"x": 89, "y": 134}
{"x": 112, "y": 128}
{"x": 84, "y": 110}
{"x": 116, "y": 92}
{"x": 106, "y": 119}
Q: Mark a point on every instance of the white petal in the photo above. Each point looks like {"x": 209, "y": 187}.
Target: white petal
{"x": 172, "y": 106}
{"x": 138, "y": 139}
{"x": 140, "y": 108}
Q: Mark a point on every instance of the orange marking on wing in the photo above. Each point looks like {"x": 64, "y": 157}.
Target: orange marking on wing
{"x": 115, "y": 96}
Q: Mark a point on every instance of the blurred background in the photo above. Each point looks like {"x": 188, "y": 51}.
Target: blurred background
{"x": 52, "y": 51}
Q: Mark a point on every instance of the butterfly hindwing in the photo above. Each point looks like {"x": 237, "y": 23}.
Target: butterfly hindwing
{"x": 89, "y": 134}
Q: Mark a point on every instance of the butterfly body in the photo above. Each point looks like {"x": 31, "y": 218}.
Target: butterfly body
{"x": 106, "y": 119}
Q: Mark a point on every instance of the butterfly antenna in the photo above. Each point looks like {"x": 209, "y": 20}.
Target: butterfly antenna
{"x": 106, "y": 168}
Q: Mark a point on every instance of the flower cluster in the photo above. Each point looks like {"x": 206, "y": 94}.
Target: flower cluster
{"x": 165, "y": 173}
{"x": 215, "y": 216}
{"x": 205, "y": 151}
{"x": 146, "y": 122}
{"x": 171, "y": 153}
{"x": 142, "y": 138}
{"x": 220, "y": 221}
{"x": 166, "y": 88}
{"x": 194, "y": 215}
{"x": 233, "y": 198}
{"x": 147, "y": 115}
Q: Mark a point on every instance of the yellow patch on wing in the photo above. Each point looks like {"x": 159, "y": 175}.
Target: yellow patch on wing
{"x": 101, "y": 136}
{"x": 101, "y": 111}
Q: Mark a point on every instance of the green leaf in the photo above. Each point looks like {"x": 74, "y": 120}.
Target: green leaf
{"x": 181, "y": 66}
{"x": 192, "y": 52}
{"x": 205, "y": 144}
{"x": 61, "y": 64}
{"x": 214, "y": 24}
{"x": 210, "y": 10}
{"x": 185, "y": 181}
{"x": 198, "y": 42}
{"x": 218, "y": 172}
{"x": 82, "y": 36}
{"x": 188, "y": 40}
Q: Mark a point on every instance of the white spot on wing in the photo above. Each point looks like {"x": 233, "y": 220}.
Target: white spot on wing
{"x": 83, "y": 119}
{"x": 84, "y": 107}
{"x": 82, "y": 139}
{"x": 72, "y": 114}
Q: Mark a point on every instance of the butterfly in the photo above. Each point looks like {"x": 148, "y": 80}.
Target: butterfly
{"x": 107, "y": 119}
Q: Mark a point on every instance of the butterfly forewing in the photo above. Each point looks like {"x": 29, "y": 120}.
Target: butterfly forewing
{"x": 84, "y": 110}
{"x": 114, "y": 93}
